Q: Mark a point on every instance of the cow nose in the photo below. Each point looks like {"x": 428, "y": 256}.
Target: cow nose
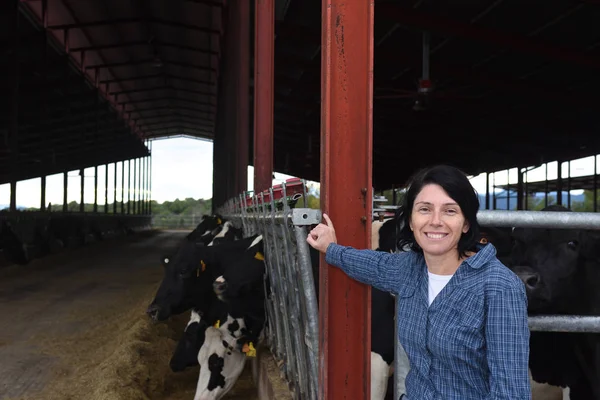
{"x": 531, "y": 279}
{"x": 220, "y": 286}
{"x": 152, "y": 311}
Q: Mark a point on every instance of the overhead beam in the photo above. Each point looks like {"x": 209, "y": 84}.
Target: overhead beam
{"x": 117, "y": 21}
{"x": 168, "y": 108}
{"x": 142, "y": 43}
{"x": 168, "y": 88}
{"x": 200, "y": 103}
{"x": 418, "y": 19}
{"x": 212, "y": 3}
{"x": 149, "y": 61}
{"x": 168, "y": 76}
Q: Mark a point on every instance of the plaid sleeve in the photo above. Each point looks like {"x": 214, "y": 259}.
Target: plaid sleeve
{"x": 507, "y": 335}
{"x": 376, "y": 268}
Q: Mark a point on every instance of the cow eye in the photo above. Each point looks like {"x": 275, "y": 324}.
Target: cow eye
{"x": 573, "y": 244}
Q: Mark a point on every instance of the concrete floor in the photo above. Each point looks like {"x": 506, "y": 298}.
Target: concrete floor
{"x": 69, "y": 322}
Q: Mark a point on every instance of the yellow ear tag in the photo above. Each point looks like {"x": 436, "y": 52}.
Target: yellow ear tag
{"x": 203, "y": 265}
{"x": 249, "y": 350}
{"x": 217, "y": 324}
{"x": 259, "y": 256}
{"x": 219, "y": 222}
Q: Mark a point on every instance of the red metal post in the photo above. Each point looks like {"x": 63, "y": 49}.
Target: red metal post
{"x": 264, "y": 52}
{"x": 346, "y": 194}
{"x": 242, "y": 16}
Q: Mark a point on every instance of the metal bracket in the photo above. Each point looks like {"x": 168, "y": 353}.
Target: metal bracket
{"x": 306, "y": 216}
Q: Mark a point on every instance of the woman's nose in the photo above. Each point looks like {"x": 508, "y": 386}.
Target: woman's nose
{"x": 435, "y": 218}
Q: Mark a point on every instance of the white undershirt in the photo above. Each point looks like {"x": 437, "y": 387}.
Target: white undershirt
{"x": 436, "y": 284}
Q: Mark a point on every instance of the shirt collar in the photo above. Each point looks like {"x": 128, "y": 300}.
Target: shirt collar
{"x": 484, "y": 254}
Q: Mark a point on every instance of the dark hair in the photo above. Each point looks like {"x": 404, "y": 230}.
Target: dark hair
{"x": 455, "y": 183}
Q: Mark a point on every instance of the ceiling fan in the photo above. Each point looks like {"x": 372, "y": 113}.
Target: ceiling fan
{"x": 425, "y": 93}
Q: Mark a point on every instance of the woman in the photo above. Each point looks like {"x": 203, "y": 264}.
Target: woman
{"x": 462, "y": 315}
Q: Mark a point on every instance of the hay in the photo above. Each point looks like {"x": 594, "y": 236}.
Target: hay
{"x": 122, "y": 355}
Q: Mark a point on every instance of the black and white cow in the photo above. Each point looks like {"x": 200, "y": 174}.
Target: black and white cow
{"x": 189, "y": 275}
{"x": 561, "y": 272}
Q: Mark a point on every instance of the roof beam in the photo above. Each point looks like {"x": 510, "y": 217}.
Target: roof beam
{"x": 411, "y": 17}
{"x": 175, "y": 122}
{"x": 169, "y": 76}
{"x": 164, "y": 88}
{"x": 167, "y": 108}
{"x": 149, "y": 61}
{"x": 115, "y": 21}
{"x": 201, "y": 103}
{"x": 177, "y": 117}
{"x": 141, "y": 43}
{"x": 212, "y": 3}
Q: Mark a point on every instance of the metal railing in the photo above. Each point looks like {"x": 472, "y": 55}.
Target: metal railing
{"x": 291, "y": 305}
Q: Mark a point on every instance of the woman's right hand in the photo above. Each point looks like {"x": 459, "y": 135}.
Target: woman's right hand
{"x": 321, "y": 236}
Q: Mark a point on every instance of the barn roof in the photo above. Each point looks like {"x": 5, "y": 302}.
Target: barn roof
{"x": 514, "y": 83}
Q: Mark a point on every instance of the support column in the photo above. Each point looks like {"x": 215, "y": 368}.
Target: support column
{"x": 135, "y": 174}
{"x": 10, "y": 13}
{"x": 346, "y": 171}
{"x": 569, "y": 184}
{"x": 595, "y": 183}
{"x": 122, "y": 187}
{"x": 242, "y": 69}
{"x": 95, "y": 188}
{"x": 128, "y": 186}
{"x": 150, "y": 186}
{"x": 115, "y": 191}
{"x": 519, "y": 189}
{"x": 43, "y": 194}
{"x": 487, "y": 191}
{"x": 65, "y": 191}
{"x": 559, "y": 183}
{"x": 82, "y": 180}
{"x": 106, "y": 188}
{"x": 140, "y": 179}
{"x": 264, "y": 72}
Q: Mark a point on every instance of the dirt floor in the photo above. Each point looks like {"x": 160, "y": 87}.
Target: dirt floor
{"x": 72, "y": 327}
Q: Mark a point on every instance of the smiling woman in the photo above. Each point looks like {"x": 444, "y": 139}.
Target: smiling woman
{"x": 462, "y": 316}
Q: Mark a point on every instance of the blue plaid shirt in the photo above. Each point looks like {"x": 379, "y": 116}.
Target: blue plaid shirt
{"x": 472, "y": 342}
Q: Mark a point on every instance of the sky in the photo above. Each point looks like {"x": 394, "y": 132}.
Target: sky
{"x": 182, "y": 167}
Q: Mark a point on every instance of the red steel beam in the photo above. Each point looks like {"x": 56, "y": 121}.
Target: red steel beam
{"x": 417, "y": 19}
{"x": 241, "y": 18}
{"x": 346, "y": 194}
{"x": 264, "y": 73}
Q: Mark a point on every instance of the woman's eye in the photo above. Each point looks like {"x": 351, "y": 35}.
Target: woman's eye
{"x": 451, "y": 211}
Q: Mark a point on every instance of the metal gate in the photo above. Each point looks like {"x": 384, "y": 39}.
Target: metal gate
{"x": 292, "y": 320}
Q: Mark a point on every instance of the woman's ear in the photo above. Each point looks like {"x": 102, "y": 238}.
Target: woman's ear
{"x": 466, "y": 227}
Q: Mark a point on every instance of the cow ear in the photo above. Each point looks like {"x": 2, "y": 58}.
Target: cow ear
{"x": 590, "y": 245}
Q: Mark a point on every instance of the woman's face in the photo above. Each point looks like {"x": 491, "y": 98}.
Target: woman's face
{"x": 437, "y": 221}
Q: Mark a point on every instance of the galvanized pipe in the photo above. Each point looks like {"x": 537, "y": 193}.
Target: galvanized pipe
{"x": 540, "y": 219}
{"x": 565, "y": 323}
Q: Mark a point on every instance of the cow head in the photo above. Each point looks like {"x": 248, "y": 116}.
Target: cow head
{"x": 186, "y": 282}
{"x": 242, "y": 278}
{"x": 221, "y": 364}
{"x": 208, "y": 224}
{"x": 550, "y": 262}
